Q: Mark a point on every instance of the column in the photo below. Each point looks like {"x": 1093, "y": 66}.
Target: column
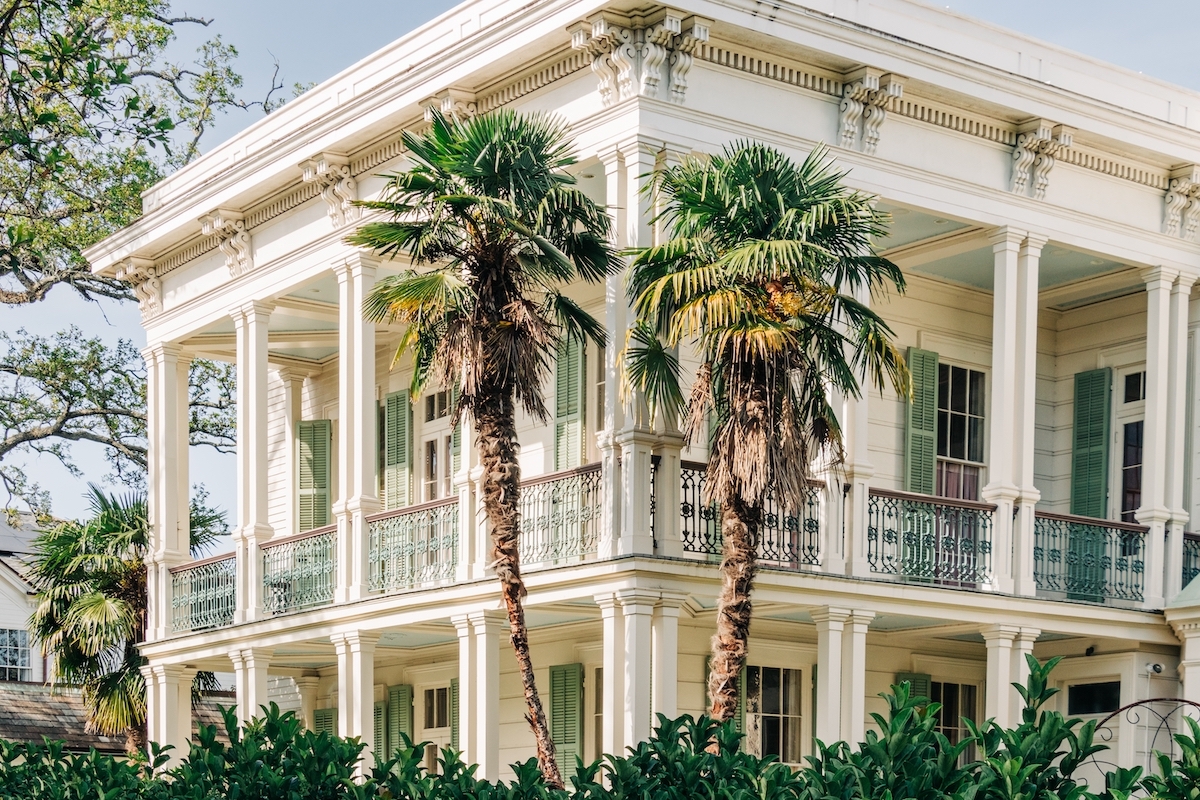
{"x": 293, "y": 397}
{"x": 1001, "y": 489}
{"x": 830, "y": 624}
{"x": 1188, "y": 632}
{"x": 854, "y": 675}
{"x": 1177, "y": 437}
{"x": 857, "y": 476}
{"x": 1024, "y": 426}
{"x": 251, "y": 321}
{"x": 357, "y": 493}
{"x": 1022, "y": 647}
{"x": 664, "y": 664}
{"x": 998, "y": 691}
{"x": 167, "y": 467}
{"x": 1154, "y": 512}
{"x": 250, "y": 681}
{"x": 467, "y": 678}
{"x": 169, "y": 706}
{"x": 472, "y": 552}
{"x": 356, "y": 688}
{"x": 637, "y": 608}
{"x": 613, "y": 715}
{"x": 486, "y": 627}
{"x": 307, "y": 685}
{"x": 616, "y": 318}
{"x": 668, "y": 534}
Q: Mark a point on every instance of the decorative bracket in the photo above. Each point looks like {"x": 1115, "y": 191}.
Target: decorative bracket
{"x": 234, "y": 239}
{"x": 694, "y": 33}
{"x": 867, "y": 96}
{"x": 338, "y": 188}
{"x": 1181, "y": 207}
{"x": 147, "y": 286}
{"x": 1038, "y": 142}
{"x": 456, "y": 104}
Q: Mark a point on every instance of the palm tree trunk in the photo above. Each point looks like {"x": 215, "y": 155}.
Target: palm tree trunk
{"x": 135, "y": 740}
{"x": 739, "y": 529}
{"x": 497, "y": 434}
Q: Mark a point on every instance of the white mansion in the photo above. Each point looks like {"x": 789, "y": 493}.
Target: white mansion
{"x": 1034, "y": 497}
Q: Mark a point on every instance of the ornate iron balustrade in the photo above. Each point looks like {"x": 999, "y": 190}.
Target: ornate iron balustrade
{"x": 204, "y": 594}
{"x": 300, "y": 571}
{"x": 785, "y": 540}
{"x": 560, "y": 516}
{"x": 1191, "y": 557}
{"x": 413, "y": 546}
{"x": 1089, "y": 559}
{"x": 921, "y": 538}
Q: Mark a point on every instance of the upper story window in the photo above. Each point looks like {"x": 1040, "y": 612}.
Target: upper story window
{"x": 1129, "y": 428}
{"x": 1093, "y": 698}
{"x": 960, "y": 423}
{"x": 773, "y": 720}
{"x": 437, "y": 406}
{"x": 14, "y": 655}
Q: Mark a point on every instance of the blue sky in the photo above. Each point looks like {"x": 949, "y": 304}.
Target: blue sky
{"x": 312, "y": 41}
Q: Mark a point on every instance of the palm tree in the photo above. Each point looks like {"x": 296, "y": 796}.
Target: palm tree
{"x": 90, "y": 579}
{"x": 490, "y": 214}
{"x": 759, "y": 274}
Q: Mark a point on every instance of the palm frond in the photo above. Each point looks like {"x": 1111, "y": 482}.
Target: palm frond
{"x": 651, "y": 368}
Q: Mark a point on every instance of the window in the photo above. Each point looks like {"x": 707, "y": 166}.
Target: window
{"x": 1135, "y": 387}
{"x": 600, "y": 376}
{"x": 773, "y": 713}
{"x": 960, "y": 432}
{"x": 1094, "y": 698}
{"x": 14, "y": 656}
{"x": 1131, "y": 469}
{"x": 958, "y": 701}
{"x": 437, "y": 708}
{"x": 437, "y": 406}
{"x": 598, "y": 715}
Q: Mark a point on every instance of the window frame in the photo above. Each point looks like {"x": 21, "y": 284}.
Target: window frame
{"x": 20, "y": 651}
{"x": 801, "y": 720}
{"x": 984, "y": 417}
{"x": 1122, "y": 414}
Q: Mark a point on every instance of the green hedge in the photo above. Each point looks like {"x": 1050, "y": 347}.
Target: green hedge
{"x": 904, "y": 757}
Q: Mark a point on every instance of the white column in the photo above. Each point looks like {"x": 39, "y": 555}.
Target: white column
{"x": 1177, "y": 438}
{"x": 486, "y": 627}
{"x": 830, "y": 624}
{"x": 667, "y": 522}
{"x": 854, "y": 675}
{"x": 1024, "y": 425}
{"x": 356, "y": 688}
{"x": 307, "y": 685}
{"x": 357, "y": 495}
{"x": 250, "y": 681}
{"x": 664, "y": 631}
{"x": 472, "y": 552}
{"x": 1188, "y": 633}
{"x": 250, "y": 321}
{"x": 169, "y": 707}
{"x": 293, "y": 396}
{"x": 1154, "y": 512}
{"x": 1001, "y": 488}
{"x": 613, "y": 714}
{"x": 998, "y": 691}
{"x": 858, "y": 473}
{"x": 1022, "y": 646}
{"x": 467, "y": 679}
{"x": 637, "y": 608}
{"x": 616, "y": 313}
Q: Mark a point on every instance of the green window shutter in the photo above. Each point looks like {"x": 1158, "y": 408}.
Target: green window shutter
{"x": 397, "y": 450}
{"x": 399, "y": 714}
{"x": 919, "y": 683}
{"x": 569, "y": 390}
{"x": 566, "y": 715}
{"x": 381, "y": 744}
{"x": 920, "y": 429}
{"x": 325, "y": 721}
{"x": 315, "y": 441}
{"x": 1089, "y": 455}
{"x": 454, "y": 737}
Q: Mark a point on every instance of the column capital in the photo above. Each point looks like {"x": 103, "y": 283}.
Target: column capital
{"x": 1161, "y": 275}
{"x": 1005, "y": 238}
{"x": 160, "y": 352}
{"x": 1185, "y": 281}
{"x": 1000, "y": 633}
{"x": 611, "y": 157}
{"x": 637, "y": 601}
{"x": 361, "y": 641}
{"x": 307, "y": 681}
{"x": 1150, "y": 515}
{"x": 1028, "y": 634}
{"x": 487, "y": 618}
{"x": 607, "y": 601}
{"x": 358, "y": 263}
{"x": 462, "y": 625}
{"x": 251, "y": 654}
{"x": 860, "y": 617}
{"x": 640, "y": 148}
{"x": 829, "y": 617}
{"x": 672, "y": 603}
{"x": 1033, "y": 243}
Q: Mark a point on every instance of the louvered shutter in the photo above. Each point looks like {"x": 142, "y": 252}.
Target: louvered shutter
{"x": 381, "y": 743}
{"x": 1089, "y": 455}
{"x": 566, "y": 715}
{"x": 920, "y": 445}
{"x": 569, "y": 390}
{"x": 397, "y": 450}
{"x": 919, "y": 683}
{"x": 314, "y": 439}
{"x": 325, "y": 721}
{"x": 399, "y": 714}
{"x": 454, "y": 736}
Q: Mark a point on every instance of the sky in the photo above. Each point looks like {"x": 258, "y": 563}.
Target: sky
{"x": 312, "y": 41}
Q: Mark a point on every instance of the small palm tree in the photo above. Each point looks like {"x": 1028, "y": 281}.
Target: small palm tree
{"x": 493, "y": 217}
{"x": 759, "y": 276}
{"x": 90, "y": 579}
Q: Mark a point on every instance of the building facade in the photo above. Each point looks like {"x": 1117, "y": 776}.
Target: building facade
{"x": 1035, "y": 496}
{"x": 20, "y": 656}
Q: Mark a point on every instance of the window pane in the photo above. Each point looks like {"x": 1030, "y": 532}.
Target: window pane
{"x": 1094, "y": 698}
{"x": 429, "y": 408}
{"x": 943, "y": 386}
{"x": 970, "y": 483}
{"x": 753, "y": 690}
{"x": 1135, "y": 387}
{"x": 791, "y": 692}
{"x": 429, "y": 710}
{"x": 1133, "y": 444}
{"x": 958, "y": 436}
{"x": 771, "y": 736}
{"x": 770, "y": 691}
{"x": 790, "y": 750}
{"x": 958, "y": 390}
{"x": 976, "y": 394}
{"x": 443, "y": 708}
{"x": 975, "y": 439}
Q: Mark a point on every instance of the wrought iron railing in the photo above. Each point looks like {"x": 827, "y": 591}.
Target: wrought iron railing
{"x": 938, "y": 540}
{"x": 785, "y": 540}
{"x": 1089, "y": 559}
{"x": 300, "y": 571}
{"x": 1191, "y": 557}
{"x": 204, "y": 594}
{"x": 413, "y": 546}
{"x": 560, "y": 515}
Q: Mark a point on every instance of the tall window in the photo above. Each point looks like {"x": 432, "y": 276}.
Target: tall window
{"x": 958, "y": 701}
{"x": 437, "y": 708}
{"x": 438, "y": 447}
{"x": 14, "y": 655}
{"x": 960, "y": 432}
{"x": 1132, "y": 397}
{"x": 773, "y": 713}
